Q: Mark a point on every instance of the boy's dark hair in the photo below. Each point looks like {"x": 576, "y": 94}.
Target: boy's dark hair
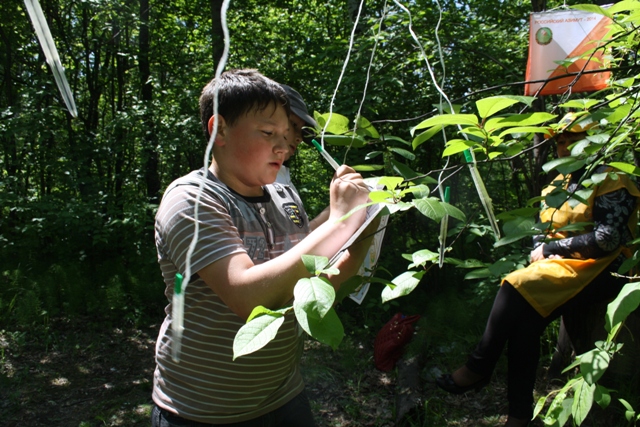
{"x": 239, "y": 92}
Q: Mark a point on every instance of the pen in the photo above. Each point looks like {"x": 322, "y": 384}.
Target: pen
{"x": 326, "y": 155}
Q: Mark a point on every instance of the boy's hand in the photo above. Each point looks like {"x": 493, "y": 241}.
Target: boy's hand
{"x": 347, "y": 191}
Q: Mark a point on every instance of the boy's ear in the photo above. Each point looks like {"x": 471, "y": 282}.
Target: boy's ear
{"x": 221, "y": 125}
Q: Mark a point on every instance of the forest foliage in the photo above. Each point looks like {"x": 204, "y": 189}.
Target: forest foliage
{"x": 78, "y": 195}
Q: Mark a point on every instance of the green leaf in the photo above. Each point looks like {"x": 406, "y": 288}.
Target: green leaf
{"x": 421, "y": 257}
{"x": 630, "y": 413}
{"x": 425, "y": 136}
{"x": 337, "y": 123}
{"x": 602, "y": 396}
{"x": 448, "y": 120}
{"x": 388, "y": 182}
{"x": 364, "y": 127}
{"x": 623, "y": 6}
{"x": 593, "y": 365}
{"x": 256, "y": 334}
{"x": 430, "y": 207}
{"x": 518, "y": 120}
{"x": 402, "y": 152}
{"x": 518, "y": 225}
{"x": 499, "y": 268}
{"x": 625, "y": 303}
{"x": 492, "y": 105}
{"x": 452, "y": 211}
{"x": 315, "y": 296}
{"x": 456, "y": 146}
{"x": 593, "y": 9}
{"x": 260, "y": 310}
{"x": 556, "y": 198}
{"x": 407, "y": 173}
{"x": 522, "y": 130}
{"x": 582, "y": 401}
{"x": 626, "y": 168}
{"x": 328, "y": 330}
{"x": 481, "y": 273}
{"x": 404, "y": 284}
{"x": 373, "y": 155}
{"x": 555, "y": 163}
{"x": 344, "y": 140}
{"x": 367, "y": 168}
{"x": 388, "y": 138}
{"x": 315, "y": 264}
{"x": 629, "y": 263}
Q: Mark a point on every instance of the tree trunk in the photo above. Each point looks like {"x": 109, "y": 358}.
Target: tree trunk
{"x": 150, "y": 153}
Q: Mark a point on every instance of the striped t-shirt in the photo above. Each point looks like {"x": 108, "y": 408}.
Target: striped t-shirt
{"x": 207, "y": 385}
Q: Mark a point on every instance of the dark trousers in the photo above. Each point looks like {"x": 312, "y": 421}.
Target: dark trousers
{"x": 513, "y": 320}
{"x": 295, "y": 413}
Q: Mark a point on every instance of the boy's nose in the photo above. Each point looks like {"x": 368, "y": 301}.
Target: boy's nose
{"x": 282, "y": 145}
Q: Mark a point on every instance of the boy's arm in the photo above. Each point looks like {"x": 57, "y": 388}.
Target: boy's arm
{"x": 243, "y": 285}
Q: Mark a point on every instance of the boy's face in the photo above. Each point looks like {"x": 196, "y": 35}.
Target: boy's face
{"x": 294, "y": 136}
{"x": 249, "y": 154}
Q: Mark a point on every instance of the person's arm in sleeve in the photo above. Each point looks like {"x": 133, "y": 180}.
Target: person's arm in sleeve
{"x": 611, "y": 214}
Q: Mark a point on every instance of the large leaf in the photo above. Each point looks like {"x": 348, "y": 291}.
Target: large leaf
{"x": 430, "y": 207}
{"x": 315, "y": 264}
{"x": 404, "y": 284}
{"x": 425, "y": 136}
{"x": 453, "y": 211}
{"x": 626, "y": 167}
{"x": 328, "y": 330}
{"x": 402, "y": 152}
{"x": 365, "y": 128}
{"x": 421, "y": 257}
{"x": 602, "y": 396}
{"x": 582, "y": 401}
{"x": 489, "y": 106}
{"x": 456, "y": 146}
{"x": 448, "y": 120}
{"x": 345, "y": 140}
{"x": 256, "y": 334}
{"x": 337, "y": 123}
{"x": 593, "y": 364}
{"x": 518, "y": 120}
{"x": 314, "y": 296}
{"x": 625, "y": 303}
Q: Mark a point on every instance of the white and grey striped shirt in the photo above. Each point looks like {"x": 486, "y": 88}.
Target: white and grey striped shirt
{"x": 207, "y": 385}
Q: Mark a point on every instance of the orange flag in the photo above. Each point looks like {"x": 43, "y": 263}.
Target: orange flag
{"x": 560, "y": 35}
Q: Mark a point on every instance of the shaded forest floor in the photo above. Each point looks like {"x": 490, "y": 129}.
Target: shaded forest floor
{"x": 89, "y": 373}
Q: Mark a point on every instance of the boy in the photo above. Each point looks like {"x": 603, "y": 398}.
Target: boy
{"x": 251, "y": 238}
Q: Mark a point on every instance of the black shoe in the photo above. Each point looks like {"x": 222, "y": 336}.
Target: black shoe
{"x": 447, "y": 383}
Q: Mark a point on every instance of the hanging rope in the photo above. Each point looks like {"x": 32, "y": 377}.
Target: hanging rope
{"x": 177, "y": 303}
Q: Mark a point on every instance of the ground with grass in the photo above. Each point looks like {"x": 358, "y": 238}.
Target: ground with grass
{"x": 88, "y": 372}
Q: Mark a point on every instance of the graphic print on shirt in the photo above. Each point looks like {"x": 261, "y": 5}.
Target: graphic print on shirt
{"x": 293, "y": 211}
{"x": 255, "y": 246}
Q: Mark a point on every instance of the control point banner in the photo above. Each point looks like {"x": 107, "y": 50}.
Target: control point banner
{"x": 560, "y": 36}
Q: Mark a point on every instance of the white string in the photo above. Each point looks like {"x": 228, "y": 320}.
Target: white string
{"x": 177, "y": 307}
{"x": 477, "y": 179}
{"x": 344, "y": 68}
{"x": 207, "y": 155}
{"x": 366, "y": 83}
